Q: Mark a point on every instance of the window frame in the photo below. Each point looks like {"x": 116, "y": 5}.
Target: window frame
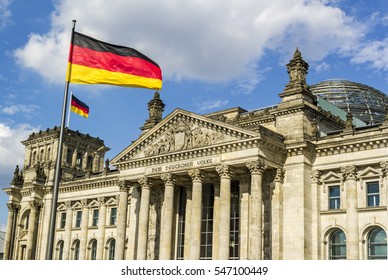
{"x": 113, "y": 216}
{"x": 335, "y": 199}
{"x": 78, "y": 219}
{"x": 373, "y": 245}
{"x": 375, "y": 196}
{"x": 62, "y": 220}
{"x": 95, "y": 217}
{"x": 337, "y": 245}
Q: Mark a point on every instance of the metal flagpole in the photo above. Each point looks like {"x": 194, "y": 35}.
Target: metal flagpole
{"x": 57, "y": 176}
{"x": 68, "y": 117}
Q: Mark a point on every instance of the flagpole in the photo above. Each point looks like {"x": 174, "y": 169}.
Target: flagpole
{"x": 68, "y": 118}
{"x": 57, "y": 175}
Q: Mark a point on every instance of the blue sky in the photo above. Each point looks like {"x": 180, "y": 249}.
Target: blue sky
{"x": 214, "y": 55}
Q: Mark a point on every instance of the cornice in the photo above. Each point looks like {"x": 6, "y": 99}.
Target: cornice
{"x": 87, "y": 184}
{"x": 190, "y": 154}
{"x": 350, "y": 145}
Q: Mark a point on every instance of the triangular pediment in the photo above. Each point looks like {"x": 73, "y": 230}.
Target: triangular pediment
{"x": 331, "y": 177}
{"x": 182, "y": 131}
{"x": 370, "y": 172}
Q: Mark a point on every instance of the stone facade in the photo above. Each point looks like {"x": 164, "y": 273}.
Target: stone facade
{"x": 287, "y": 182}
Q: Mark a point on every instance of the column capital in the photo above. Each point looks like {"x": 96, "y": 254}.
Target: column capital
{"x": 224, "y": 171}
{"x": 34, "y": 204}
{"x": 349, "y": 172}
{"x": 196, "y": 175}
{"x": 279, "y": 177}
{"x": 316, "y": 176}
{"x": 101, "y": 201}
{"x": 13, "y": 207}
{"x": 256, "y": 167}
{"x": 84, "y": 203}
{"x": 384, "y": 168}
{"x": 123, "y": 185}
{"x": 68, "y": 204}
{"x": 168, "y": 179}
{"x": 144, "y": 183}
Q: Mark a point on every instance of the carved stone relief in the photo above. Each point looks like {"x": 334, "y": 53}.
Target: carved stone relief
{"x": 183, "y": 135}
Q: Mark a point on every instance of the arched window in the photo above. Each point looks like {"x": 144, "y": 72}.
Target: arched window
{"x": 377, "y": 244}
{"x": 76, "y": 249}
{"x": 33, "y": 158}
{"x": 60, "y": 250}
{"x": 337, "y": 250}
{"x": 79, "y": 159}
{"x": 93, "y": 250}
{"x": 112, "y": 248}
{"x": 41, "y": 156}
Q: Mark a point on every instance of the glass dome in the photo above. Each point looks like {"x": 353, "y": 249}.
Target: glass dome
{"x": 364, "y": 102}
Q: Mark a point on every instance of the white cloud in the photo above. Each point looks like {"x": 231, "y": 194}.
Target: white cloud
{"x": 375, "y": 54}
{"x": 5, "y": 13}
{"x": 3, "y": 227}
{"x": 212, "y": 105}
{"x": 11, "y": 150}
{"x": 19, "y": 108}
{"x": 201, "y": 40}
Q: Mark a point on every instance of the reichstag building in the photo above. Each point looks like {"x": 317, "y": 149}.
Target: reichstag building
{"x": 305, "y": 179}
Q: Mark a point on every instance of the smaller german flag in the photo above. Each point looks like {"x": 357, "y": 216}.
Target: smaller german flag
{"x": 78, "y": 107}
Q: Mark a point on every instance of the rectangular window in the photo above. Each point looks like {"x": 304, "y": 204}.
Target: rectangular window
{"x": 373, "y": 194}
{"x": 207, "y": 222}
{"x": 78, "y": 219}
{"x": 334, "y": 197}
{"x": 113, "y": 216}
{"x": 62, "y": 222}
{"x": 95, "y": 218}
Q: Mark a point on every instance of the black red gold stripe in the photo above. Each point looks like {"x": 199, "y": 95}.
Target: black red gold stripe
{"x": 78, "y": 107}
{"x": 95, "y": 62}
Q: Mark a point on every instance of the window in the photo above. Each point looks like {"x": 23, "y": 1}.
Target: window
{"x": 334, "y": 197}
{"x": 93, "y": 250}
{"x": 69, "y": 156}
{"x": 78, "y": 219}
{"x": 89, "y": 164}
{"x": 337, "y": 250}
{"x": 112, "y": 248}
{"x": 79, "y": 159}
{"x": 95, "y": 218}
{"x": 27, "y": 221}
{"x": 113, "y": 216}
{"x": 372, "y": 194}
{"x": 76, "y": 249}
{"x": 62, "y": 222}
{"x": 377, "y": 244}
{"x": 60, "y": 250}
{"x": 181, "y": 223}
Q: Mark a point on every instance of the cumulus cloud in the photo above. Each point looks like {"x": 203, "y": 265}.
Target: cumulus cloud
{"x": 11, "y": 148}
{"x": 200, "y": 40}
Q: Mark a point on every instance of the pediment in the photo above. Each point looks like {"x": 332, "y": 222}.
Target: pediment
{"x": 331, "y": 177}
{"x": 370, "y": 172}
{"x": 182, "y": 131}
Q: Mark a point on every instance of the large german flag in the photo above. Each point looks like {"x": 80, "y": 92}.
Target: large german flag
{"x": 95, "y": 62}
{"x": 78, "y": 107}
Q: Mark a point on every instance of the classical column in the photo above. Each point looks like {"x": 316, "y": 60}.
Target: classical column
{"x": 256, "y": 168}
{"x": 216, "y": 219}
{"x": 277, "y": 216}
{"x": 244, "y": 216}
{"x": 196, "y": 213}
{"x": 186, "y": 251}
{"x": 384, "y": 171}
{"x": 168, "y": 207}
{"x": 315, "y": 217}
{"x": 32, "y": 230}
{"x": 224, "y": 214}
{"x": 349, "y": 174}
{"x": 101, "y": 229}
{"x": 84, "y": 229}
{"x": 66, "y": 244}
{"x": 121, "y": 220}
{"x": 133, "y": 222}
{"x": 47, "y": 204}
{"x": 12, "y": 211}
{"x": 143, "y": 218}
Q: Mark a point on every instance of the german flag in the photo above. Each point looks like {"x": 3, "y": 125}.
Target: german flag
{"x": 95, "y": 62}
{"x": 78, "y": 107}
